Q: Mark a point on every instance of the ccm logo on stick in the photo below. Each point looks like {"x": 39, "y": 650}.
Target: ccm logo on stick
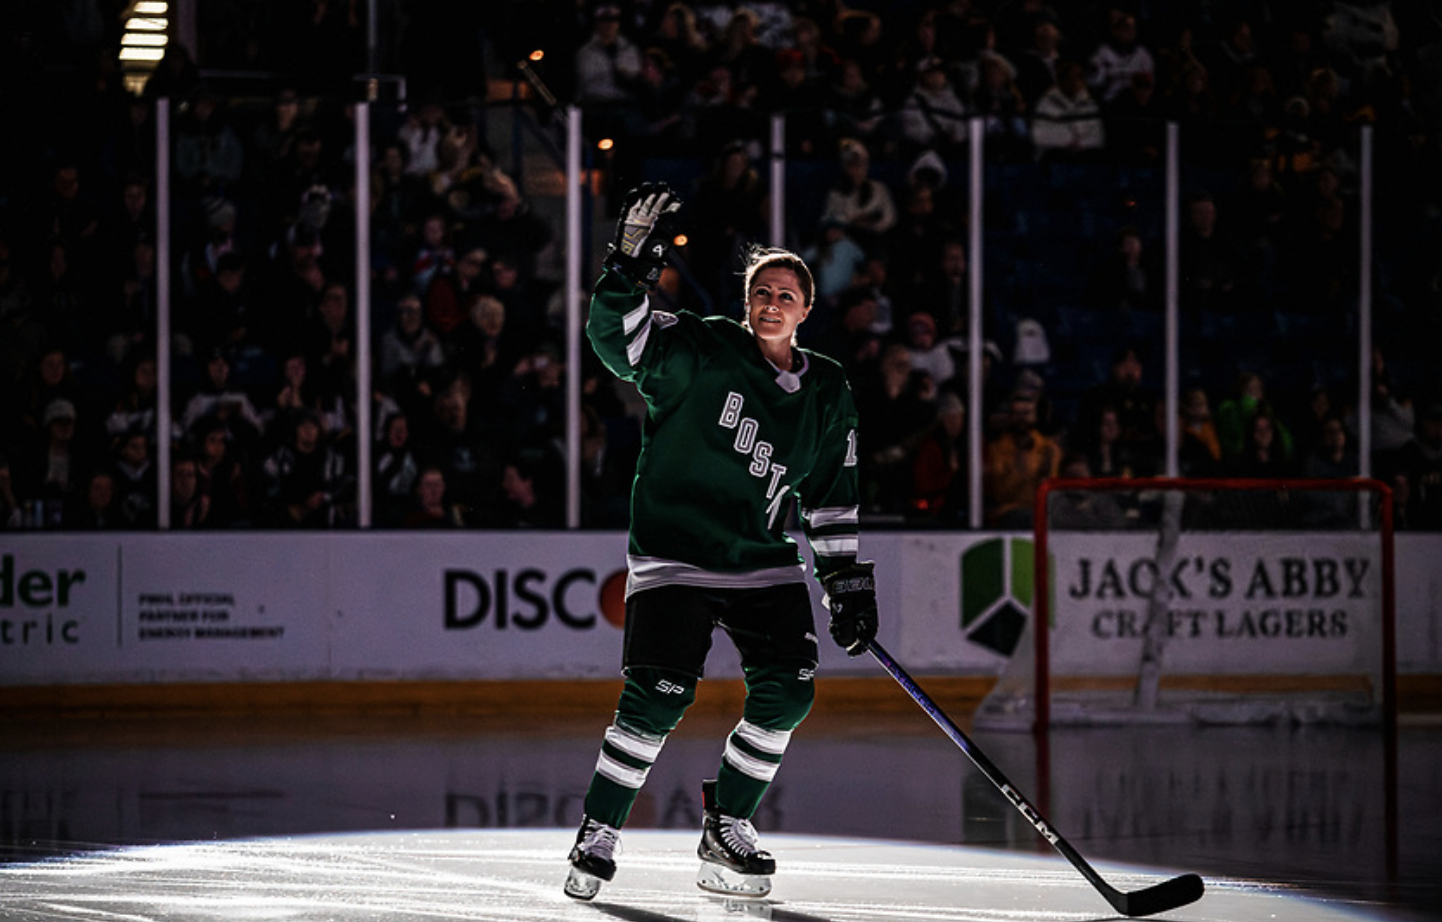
{"x": 1028, "y": 811}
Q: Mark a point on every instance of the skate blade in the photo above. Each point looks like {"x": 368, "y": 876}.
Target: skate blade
{"x": 715, "y": 879}
{"x": 582, "y": 886}
{"x": 746, "y": 908}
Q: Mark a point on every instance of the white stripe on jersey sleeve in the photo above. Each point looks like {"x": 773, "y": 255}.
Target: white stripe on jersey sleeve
{"x": 837, "y": 545}
{"x": 637, "y": 345}
{"x": 837, "y": 515}
{"x": 635, "y": 318}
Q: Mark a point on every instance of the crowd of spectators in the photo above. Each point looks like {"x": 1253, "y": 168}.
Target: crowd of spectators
{"x": 468, "y": 393}
{"x": 467, "y": 381}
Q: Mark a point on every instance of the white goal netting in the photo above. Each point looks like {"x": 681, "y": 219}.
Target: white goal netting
{"x": 1205, "y": 601}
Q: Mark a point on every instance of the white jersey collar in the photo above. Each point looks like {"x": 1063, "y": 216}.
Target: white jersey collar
{"x": 790, "y": 381}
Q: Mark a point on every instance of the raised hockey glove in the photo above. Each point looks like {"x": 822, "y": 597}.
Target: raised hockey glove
{"x": 851, "y": 598}
{"x": 644, "y": 232}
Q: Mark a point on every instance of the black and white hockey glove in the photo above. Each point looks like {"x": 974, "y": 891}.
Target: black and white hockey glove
{"x": 644, "y": 232}
{"x": 851, "y": 598}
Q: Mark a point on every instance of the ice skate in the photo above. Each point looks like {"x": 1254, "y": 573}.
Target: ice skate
{"x": 732, "y": 862}
{"x": 593, "y": 859}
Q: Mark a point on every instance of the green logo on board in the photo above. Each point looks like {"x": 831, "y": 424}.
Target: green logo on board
{"x": 996, "y": 592}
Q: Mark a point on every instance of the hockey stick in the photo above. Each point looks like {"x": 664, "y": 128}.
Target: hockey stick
{"x": 1169, "y": 894}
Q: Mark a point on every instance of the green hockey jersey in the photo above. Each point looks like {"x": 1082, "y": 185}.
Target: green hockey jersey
{"x": 728, "y": 445}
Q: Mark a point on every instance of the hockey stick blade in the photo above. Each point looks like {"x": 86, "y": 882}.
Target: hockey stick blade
{"x": 1167, "y": 895}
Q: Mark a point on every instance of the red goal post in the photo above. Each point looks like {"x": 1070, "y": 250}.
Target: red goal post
{"x": 1373, "y": 517}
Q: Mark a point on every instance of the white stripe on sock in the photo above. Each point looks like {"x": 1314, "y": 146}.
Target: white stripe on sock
{"x": 769, "y": 741}
{"x": 633, "y": 744}
{"x": 619, "y": 772}
{"x": 749, "y": 765}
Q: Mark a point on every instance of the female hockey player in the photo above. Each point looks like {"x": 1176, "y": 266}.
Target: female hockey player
{"x": 739, "y": 423}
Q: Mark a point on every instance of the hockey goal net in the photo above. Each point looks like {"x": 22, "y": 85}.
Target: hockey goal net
{"x": 1223, "y": 601}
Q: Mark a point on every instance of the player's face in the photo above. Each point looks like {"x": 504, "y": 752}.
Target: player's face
{"x": 776, "y": 305}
